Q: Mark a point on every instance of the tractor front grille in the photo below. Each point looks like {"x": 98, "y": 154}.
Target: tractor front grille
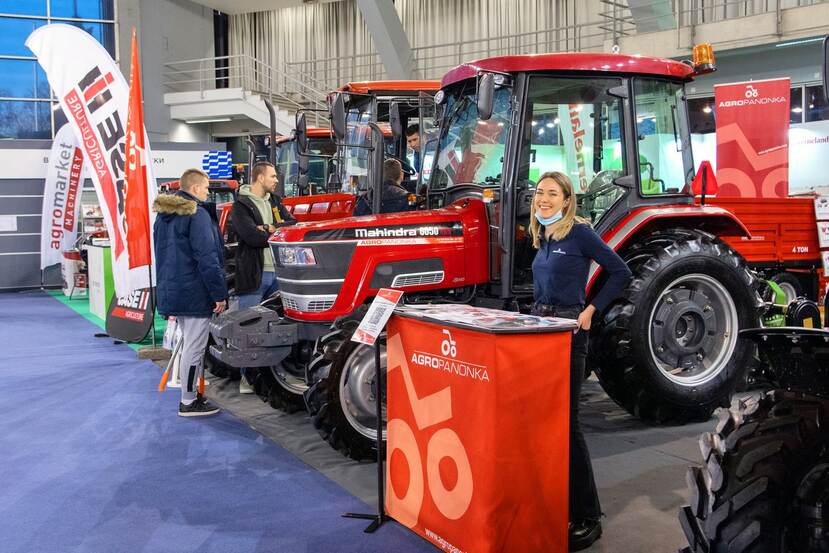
{"x": 308, "y": 303}
{"x": 417, "y": 279}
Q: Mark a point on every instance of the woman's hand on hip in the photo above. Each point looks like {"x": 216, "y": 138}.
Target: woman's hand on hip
{"x": 585, "y": 318}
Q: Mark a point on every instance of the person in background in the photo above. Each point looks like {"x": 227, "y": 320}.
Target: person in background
{"x": 566, "y": 247}
{"x": 395, "y": 197}
{"x": 413, "y": 141}
{"x": 190, "y": 280}
{"x": 256, "y": 214}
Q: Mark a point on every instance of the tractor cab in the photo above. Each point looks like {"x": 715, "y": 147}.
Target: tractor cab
{"x": 358, "y": 105}
{"x": 321, "y": 149}
{"x": 616, "y": 125}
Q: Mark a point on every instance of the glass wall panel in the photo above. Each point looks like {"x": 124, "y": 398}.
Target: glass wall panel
{"x": 24, "y": 7}
{"x": 82, "y": 9}
{"x": 22, "y": 119}
{"x": 22, "y": 79}
{"x": 816, "y": 107}
{"x": 13, "y": 34}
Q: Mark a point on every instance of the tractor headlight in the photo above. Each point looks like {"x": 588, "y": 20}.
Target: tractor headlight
{"x": 296, "y": 255}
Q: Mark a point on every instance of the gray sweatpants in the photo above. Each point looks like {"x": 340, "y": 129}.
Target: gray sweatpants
{"x": 194, "y": 334}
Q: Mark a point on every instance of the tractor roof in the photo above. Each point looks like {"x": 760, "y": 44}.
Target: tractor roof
{"x": 389, "y": 87}
{"x": 313, "y": 132}
{"x": 609, "y": 63}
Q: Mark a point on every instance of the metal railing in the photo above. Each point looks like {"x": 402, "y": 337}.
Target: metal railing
{"x": 435, "y": 60}
{"x": 619, "y": 21}
{"x": 282, "y": 87}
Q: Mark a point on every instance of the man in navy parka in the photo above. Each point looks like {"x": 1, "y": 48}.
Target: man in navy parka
{"x": 190, "y": 279}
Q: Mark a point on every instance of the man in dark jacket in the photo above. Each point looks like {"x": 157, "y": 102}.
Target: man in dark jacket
{"x": 395, "y": 197}
{"x": 190, "y": 281}
{"x": 256, "y": 214}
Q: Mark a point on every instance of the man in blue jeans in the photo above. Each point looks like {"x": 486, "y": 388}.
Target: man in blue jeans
{"x": 256, "y": 214}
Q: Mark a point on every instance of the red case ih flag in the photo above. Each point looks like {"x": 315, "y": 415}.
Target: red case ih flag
{"x": 753, "y": 139}
{"x": 94, "y": 97}
{"x": 140, "y": 186}
{"x": 61, "y": 198}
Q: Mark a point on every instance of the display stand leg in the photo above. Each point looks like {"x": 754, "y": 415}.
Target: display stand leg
{"x": 152, "y": 300}
{"x": 379, "y": 518}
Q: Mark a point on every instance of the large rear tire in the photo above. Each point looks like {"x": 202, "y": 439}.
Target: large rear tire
{"x": 668, "y": 350}
{"x": 342, "y": 403}
{"x": 764, "y": 487}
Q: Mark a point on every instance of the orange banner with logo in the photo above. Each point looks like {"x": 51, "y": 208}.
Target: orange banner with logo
{"x": 478, "y": 436}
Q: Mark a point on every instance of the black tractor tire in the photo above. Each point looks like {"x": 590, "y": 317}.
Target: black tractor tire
{"x": 764, "y": 487}
{"x": 790, "y": 284}
{"x": 333, "y": 354}
{"x": 667, "y": 350}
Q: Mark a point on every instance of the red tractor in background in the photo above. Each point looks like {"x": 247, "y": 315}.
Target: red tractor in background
{"x": 667, "y": 350}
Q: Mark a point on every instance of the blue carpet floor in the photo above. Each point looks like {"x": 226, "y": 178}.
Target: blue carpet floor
{"x": 92, "y": 458}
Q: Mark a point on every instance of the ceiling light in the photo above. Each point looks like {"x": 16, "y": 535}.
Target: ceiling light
{"x": 209, "y": 120}
{"x": 798, "y": 42}
{"x": 550, "y": 125}
{"x": 797, "y": 110}
{"x": 707, "y": 109}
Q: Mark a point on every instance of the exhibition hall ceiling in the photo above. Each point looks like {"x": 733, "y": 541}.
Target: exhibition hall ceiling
{"x": 246, "y": 6}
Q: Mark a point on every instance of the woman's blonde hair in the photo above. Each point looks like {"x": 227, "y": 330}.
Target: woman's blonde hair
{"x": 563, "y": 226}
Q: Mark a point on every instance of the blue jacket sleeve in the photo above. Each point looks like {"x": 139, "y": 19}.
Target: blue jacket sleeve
{"x": 618, "y": 272}
{"x": 206, "y": 254}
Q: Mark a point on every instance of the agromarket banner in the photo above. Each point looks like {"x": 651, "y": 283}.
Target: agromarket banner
{"x": 94, "y": 97}
{"x": 61, "y": 198}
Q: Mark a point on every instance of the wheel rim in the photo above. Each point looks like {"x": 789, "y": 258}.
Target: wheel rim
{"x": 356, "y": 391}
{"x": 693, "y": 330}
{"x": 291, "y": 382}
{"x": 789, "y": 291}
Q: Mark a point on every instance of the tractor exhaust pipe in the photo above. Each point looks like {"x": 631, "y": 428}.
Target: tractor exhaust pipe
{"x": 280, "y": 186}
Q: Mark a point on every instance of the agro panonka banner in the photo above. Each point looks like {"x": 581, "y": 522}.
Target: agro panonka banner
{"x": 61, "y": 198}
{"x": 753, "y": 139}
{"x": 94, "y": 97}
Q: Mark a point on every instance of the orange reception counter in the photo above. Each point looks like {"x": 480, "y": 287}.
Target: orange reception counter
{"x": 477, "y": 433}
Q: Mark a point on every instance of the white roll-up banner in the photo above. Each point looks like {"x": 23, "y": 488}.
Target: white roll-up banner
{"x": 94, "y": 96}
{"x": 61, "y": 197}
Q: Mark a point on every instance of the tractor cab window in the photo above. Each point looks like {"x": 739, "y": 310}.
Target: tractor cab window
{"x": 355, "y": 160}
{"x": 664, "y": 142}
{"x": 572, "y": 126}
{"x": 471, "y": 151}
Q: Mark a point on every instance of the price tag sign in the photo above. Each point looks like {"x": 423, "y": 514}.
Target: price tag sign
{"x": 377, "y": 316}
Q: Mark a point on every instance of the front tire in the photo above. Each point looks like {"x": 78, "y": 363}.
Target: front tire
{"x": 668, "y": 350}
{"x": 342, "y": 403}
{"x": 764, "y": 487}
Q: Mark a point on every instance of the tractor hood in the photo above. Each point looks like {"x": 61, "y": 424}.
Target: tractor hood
{"x": 326, "y": 269}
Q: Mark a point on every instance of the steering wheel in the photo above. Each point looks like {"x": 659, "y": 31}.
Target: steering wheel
{"x": 601, "y": 183}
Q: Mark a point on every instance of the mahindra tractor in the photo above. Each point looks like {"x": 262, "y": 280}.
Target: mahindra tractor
{"x": 666, "y": 350}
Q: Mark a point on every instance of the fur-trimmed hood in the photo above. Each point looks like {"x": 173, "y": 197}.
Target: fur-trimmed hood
{"x": 174, "y": 204}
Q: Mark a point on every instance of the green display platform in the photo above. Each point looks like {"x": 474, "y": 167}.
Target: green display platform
{"x": 81, "y": 307}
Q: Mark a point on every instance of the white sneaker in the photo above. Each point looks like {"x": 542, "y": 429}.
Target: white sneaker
{"x": 244, "y": 386}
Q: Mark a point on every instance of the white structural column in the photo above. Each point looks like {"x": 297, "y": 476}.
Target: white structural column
{"x": 390, "y": 39}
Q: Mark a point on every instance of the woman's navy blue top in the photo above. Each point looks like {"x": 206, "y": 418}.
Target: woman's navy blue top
{"x": 560, "y": 269}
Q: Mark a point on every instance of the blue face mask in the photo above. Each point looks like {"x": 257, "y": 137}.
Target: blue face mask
{"x": 548, "y": 220}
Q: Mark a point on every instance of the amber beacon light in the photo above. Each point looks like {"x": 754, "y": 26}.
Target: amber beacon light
{"x": 704, "y": 59}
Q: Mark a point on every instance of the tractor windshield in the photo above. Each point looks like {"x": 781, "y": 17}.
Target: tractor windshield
{"x": 470, "y": 150}
{"x": 354, "y": 158}
{"x": 287, "y": 166}
{"x": 572, "y": 126}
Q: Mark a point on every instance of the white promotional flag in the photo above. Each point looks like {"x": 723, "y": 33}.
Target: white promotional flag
{"x": 61, "y": 198}
{"x": 577, "y": 131}
{"x": 94, "y": 97}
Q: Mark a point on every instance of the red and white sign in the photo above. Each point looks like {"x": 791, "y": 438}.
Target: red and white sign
{"x": 61, "y": 198}
{"x": 753, "y": 139}
{"x": 577, "y": 132}
{"x": 477, "y": 451}
{"x": 377, "y": 316}
{"x": 94, "y": 96}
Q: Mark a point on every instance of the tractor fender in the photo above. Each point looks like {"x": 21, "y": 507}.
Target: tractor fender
{"x": 647, "y": 220}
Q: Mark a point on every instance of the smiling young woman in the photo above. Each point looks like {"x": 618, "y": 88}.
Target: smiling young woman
{"x": 566, "y": 246}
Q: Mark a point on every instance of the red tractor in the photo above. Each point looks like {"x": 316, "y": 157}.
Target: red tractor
{"x": 666, "y": 350}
